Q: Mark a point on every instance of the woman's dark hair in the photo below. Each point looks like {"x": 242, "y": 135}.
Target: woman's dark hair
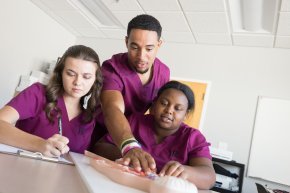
{"x": 181, "y": 87}
{"x": 55, "y": 89}
{"x": 145, "y": 22}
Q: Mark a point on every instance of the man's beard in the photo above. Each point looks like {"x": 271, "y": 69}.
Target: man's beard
{"x": 141, "y": 72}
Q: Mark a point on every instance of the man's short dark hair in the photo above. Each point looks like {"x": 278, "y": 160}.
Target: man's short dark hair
{"x": 145, "y": 22}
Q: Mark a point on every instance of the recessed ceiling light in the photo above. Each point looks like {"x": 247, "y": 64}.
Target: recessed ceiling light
{"x": 254, "y": 16}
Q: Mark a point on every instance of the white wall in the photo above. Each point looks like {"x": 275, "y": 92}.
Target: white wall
{"x": 28, "y": 39}
{"x": 238, "y": 75}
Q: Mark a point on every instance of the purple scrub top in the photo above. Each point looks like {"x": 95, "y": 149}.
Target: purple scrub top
{"x": 118, "y": 75}
{"x": 30, "y": 104}
{"x": 184, "y": 144}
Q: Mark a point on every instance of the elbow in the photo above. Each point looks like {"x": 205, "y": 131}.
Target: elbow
{"x": 208, "y": 182}
{"x": 211, "y": 180}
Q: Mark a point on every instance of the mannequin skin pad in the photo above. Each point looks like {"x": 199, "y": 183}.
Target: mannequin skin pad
{"x": 127, "y": 176}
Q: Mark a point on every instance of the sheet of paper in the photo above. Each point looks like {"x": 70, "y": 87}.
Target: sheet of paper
{"x": 8, "y": 149}
{"x": 13, "y": 150}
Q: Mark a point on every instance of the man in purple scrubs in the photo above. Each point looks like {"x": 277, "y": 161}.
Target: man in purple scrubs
{"x": 131, "y": 82}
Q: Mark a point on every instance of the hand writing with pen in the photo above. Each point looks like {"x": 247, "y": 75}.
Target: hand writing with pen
{"x": 54, "y": 146}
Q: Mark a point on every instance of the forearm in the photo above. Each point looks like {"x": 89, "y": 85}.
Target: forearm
{"x": 13, "y": 136}
{"x": 107, "y": 150}
{"x": 202, "y": 176}
{"x": 117, "y": 125}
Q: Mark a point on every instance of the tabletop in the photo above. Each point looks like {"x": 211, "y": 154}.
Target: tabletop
{"x": 26, "y": 175}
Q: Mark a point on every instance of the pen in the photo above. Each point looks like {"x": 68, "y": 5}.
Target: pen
{"x": 59, "y": 126}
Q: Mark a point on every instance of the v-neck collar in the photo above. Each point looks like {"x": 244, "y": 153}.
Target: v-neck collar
{"x": 64, "y": 113}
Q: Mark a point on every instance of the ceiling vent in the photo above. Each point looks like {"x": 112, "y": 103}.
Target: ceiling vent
{"x": 97, "y": 13}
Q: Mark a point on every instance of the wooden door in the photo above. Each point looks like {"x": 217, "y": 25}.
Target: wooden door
{"x": 201, "y": 91}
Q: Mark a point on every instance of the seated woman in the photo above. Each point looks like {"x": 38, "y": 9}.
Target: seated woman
{"x": 59, "y": 117}
{"x": 178, "y": 149}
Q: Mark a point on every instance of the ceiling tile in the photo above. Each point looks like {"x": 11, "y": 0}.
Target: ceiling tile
{"x": 90, "y": 32}
{"x": 172, "y": 21}
{"x": 74, "y": 19}
{"x": 55, "y": 4}
{"x": 206, "y": 38}
{"x": 285, "y": 5}
{"x": 253, "y": 40}
{"x": 179, "y": 37}
{"x": 115, "y": 33}
{"x": 282, "y": 42}
{"x": 53, "y": 14}
{"x": 122, "y": 5}
{"x": 125, "y": 16}
{"x": 210, "y": 22}
{"x": 183, "y": 21}
{"x": 284, "y": 24}
{"x": 153, "y": 5}
{"x": 203, "y": 5}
